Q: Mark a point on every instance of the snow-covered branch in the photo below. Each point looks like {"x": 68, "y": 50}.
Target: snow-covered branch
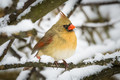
{"x": 105, "y": 74}
{"x": 113, "y": 61}
{"x": 4, "y": 37}
{"x": 32, "y": 9}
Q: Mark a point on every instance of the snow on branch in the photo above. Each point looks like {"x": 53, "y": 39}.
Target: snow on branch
{"x": 36, "y": 10}
{"x": 13, "y": 12}
{"x": 4, "y": 37}
{"x": 23, "y": 29}
{"x": 114, "y": 61}
{"x": 105, "y": 74}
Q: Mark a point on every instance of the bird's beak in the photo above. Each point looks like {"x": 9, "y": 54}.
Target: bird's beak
{"x": 71, "y": 27}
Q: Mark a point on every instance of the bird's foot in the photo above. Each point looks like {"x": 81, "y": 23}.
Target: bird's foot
{"x": 38, "y": 58}
{"x": 56, "y": 64}
{"x": 65, "y": 63}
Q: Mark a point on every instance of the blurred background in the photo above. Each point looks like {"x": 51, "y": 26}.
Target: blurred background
{"x": 98, "y": 37}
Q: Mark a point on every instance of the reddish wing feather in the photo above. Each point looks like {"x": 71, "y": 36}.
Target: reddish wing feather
{"x": 43, "y": 42}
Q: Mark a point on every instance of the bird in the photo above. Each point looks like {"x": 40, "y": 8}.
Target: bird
{"x": 59, "y": 41}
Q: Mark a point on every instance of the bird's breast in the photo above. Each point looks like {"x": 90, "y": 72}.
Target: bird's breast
{"x": 62, "y": 54}
{"x": 63, "y": 46}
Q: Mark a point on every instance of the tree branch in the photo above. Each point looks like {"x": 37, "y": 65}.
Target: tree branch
{"x": 105, "y": 74}
{"x": 114, "y": 61}
{"x": 19, "y": 35}
{"x": 15, "y": 13}
{"x": 99, "y": 3}
{"x": 6, "y": 49}
{"x": 100, "y": 25}
{"x": 39, "y": 10}
{"x": 36, "y": 12}
{"x": 74, "y": 8}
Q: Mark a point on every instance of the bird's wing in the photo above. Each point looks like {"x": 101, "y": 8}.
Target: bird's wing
{"x": 47, "y": 39}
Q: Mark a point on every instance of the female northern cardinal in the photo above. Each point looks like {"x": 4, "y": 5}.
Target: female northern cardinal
{"x": 59, "y": 42}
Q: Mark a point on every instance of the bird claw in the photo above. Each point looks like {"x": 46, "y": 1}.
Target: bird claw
{"x": 56, "y": 64}
{"x": 65, "y": 63}
{"x": 38, "y": 58}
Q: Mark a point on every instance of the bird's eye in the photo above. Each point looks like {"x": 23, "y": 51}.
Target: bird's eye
{"x": 69, "y": 27}
{"x": 65, "y": 26}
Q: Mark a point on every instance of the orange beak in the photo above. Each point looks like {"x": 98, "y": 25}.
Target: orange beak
{"x": 71, "y": 27}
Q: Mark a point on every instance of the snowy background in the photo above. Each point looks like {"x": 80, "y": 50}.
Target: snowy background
{"x": 87, "y": 50}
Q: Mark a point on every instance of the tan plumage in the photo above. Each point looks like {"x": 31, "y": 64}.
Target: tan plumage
{"x": 59, "y": 42}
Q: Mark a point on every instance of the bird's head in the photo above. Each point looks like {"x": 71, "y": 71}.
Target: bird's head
{"x": 64, "y": 24}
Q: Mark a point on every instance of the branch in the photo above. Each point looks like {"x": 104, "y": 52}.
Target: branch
{"x": 61, "y": 65}
{"x": 99, "y": 3}
{"x": 105, "y": 74}
{"x": 100, "y": 25}
{"x": 36, "y": 12}
{"x": 6, "y": 49}
{"x": 42, "y": 9}
{"x": 74, "y": 8}
{"x": 15, "y": 13}
{"x": 14, "y": 53}
{"x": 19, "y": 35}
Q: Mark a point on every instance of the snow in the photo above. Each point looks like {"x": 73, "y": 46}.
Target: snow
{"x": 18, "y": 52}
{"x": 9, "y": 60}
{"x": 84, "y": 51}
{"x": 23, "y": 75}
{"x": 68, "y": 6}
{"x": 80, "y": 73}
{"x": 5, "y": 3}
{"x": 111, "y": 22}
{"x": 24, "y": 13}
{"x": 28, "y": 9}
{"x": 90, "y": 13}
{"x": 91, "y": 1}
{"x": 20, "y": 4}
{"x": 55, "y": 72}
{"x": 24, "y": 25}
{"x": 100, "y": 56}
{"x": 4, "y": 20}
{"x": 117, "y": 76}
{"x": 37, "y": 2}
{"x": 3, "y": 46}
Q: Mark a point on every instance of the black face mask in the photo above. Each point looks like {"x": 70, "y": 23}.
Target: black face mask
{"x": 66, "y": 27}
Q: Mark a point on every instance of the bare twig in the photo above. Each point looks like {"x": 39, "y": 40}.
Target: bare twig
{"x": 14, "y": 53}
{"x": 88, "y": 19}
{"x": 39, "y": 74}
{"x": 100, "y": 3}
{"x": 31, "y": 72}
{"x": 99, "y": 25}
{"x": 6, "y": 49}
{"x": 74, "y": 8}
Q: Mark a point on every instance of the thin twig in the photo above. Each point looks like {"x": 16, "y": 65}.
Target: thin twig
{"x": 74, "y": 8}
{"x": 15, "y": 53}
{"x": 6, "y": 49}
{"x": 31, "y": 72}
{"x": 100, "y": 3}
{"x": 99, "y": 25}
